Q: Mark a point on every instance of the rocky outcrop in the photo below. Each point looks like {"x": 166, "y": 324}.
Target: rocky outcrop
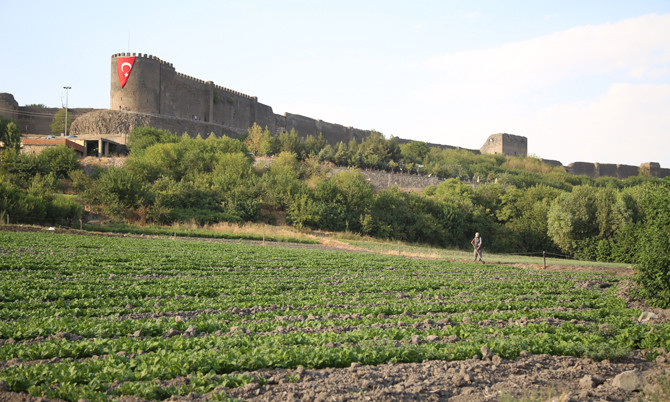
{"x": 115, "y": 123}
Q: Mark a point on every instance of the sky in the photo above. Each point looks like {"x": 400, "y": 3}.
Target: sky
{"x": 583, "y": 80}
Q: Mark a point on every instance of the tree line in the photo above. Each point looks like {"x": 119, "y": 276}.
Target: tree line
{"x": 525, "y": 206}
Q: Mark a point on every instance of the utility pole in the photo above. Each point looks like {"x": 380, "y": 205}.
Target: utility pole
{"x": 66, "y": 95}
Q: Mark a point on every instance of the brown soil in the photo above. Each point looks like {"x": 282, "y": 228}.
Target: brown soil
{"x": 529, "y": 377}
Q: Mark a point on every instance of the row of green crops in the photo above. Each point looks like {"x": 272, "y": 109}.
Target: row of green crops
{"x": 97, "y": 317}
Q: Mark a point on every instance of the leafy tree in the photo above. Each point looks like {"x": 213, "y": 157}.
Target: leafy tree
{"x": 653, "y": 259}
{"x": 141, "y": 138}
{"x": 327, "y": 154}
{"x": 254, "y": 139}
{"x": 232, "y": 170}
{"x": 59, "y": 160}
{"x": 44, "y": 185}
{"x": 389, "y": 216}
{"x": 524, "y": 214}
{"x": 119, "y": 191}
{"x": 281, "y": 183}
{"x": 19, "y": 168}
{"x": 375, "y": 151}
{"x": 455, "y": 192}
{"x": 395, "y": 214}
{"x": 572, "y": 218}
{"x": 189, "y": 157}
{"x": 189, "y": 200}
{"x": 304, "y": 211}
{"x": 313, "y": 145}
{"x": 414, "y": 151}
{"x": 10, "y": 134}
{"x": 64, "y": 209}
{"x": 585, "y": 221}
{"x": 58, "y": 122}
{"x": 341, "y": 156}
{"x": 37, "y": 206}
{"x": 289, "y": 142}
{"x": 269, "y": 144}
{"x": 343, "y": 200}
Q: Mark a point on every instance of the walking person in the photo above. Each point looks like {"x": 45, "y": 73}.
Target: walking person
{"x": 477, "y": 244}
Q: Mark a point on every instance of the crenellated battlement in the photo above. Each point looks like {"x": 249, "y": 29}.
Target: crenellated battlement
{"x": 196, "y": 80}
{"x": 144, "y": 56}
{"x": 233, "y": 92}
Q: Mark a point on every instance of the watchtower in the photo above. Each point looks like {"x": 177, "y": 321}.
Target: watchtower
{"x": 142, "y": 91}
{"x": 505, "y": 144}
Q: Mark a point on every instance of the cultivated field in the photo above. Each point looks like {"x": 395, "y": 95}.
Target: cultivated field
{"x": 98, "y": 317}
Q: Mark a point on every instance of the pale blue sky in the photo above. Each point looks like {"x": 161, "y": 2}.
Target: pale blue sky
{"x": 583, "y": 80}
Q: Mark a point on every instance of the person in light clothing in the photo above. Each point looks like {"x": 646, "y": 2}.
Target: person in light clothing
{"x": 477, "y": 244}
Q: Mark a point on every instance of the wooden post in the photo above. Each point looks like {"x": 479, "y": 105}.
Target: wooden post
{"x": 544, "y": 257}
{"x": 398, "y": 247}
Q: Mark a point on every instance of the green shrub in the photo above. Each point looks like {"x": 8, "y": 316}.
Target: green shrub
{"x": 44, "y": 185}
{"x": 141, "y": 138}
{"x": 19, "y": 169}
{"x": 202, "y": 217}
{"x": 653, "y": 259}
{"x": 119, "y": 191}
{"x": 10, "y": 134}
{"x": 64, "y": 210}
{"x": 80, "y": 181}
{"x": 58, "y": 160}
{"x": 29, "y": 209}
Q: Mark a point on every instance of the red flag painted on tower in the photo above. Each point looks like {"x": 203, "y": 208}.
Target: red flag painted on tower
{"x": 123, "y": 66}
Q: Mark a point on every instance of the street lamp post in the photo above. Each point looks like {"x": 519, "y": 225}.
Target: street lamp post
{"x": 66, "y": 96}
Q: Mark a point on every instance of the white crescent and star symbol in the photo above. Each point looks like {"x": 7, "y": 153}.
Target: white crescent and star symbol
{"x": 130, "y": 66}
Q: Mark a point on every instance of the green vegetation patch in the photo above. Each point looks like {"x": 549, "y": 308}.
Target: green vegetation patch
{"x": 98, "y": 317}
{"x": 186, "y": 232}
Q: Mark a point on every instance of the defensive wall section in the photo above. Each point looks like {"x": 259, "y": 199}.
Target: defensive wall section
{"x": 619, "y": 171}
{"x": 33, "y": 119}
{"x": 384, "y": 180}
{"x": 155, "y": 87}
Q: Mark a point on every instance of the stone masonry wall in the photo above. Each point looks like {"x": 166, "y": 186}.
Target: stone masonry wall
{"x": 595, "y": 170}
{"x": 34, "y": 120}
{"x": 383, "y": 180}
{"x": 155, "y": 87}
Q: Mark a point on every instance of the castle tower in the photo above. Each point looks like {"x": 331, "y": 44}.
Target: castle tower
{"x": 505, "y": 144}
{"x": 142, "y": 91}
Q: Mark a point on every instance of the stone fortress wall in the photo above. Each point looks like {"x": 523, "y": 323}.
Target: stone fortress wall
{"x": 155, "y": 87}
{"x": 157, "y": 95}
{"x": 33, "y": 119}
